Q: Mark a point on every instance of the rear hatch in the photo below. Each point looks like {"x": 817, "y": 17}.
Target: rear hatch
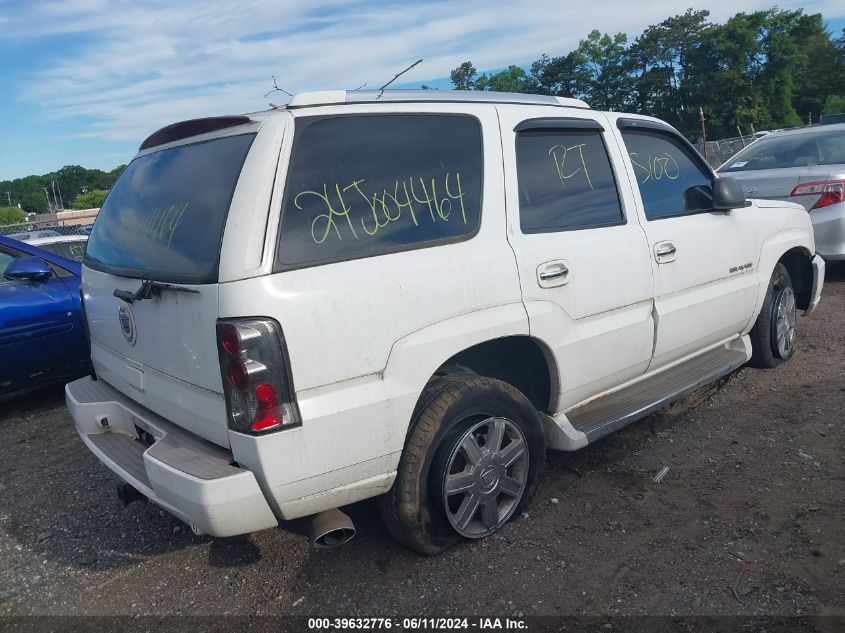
{"x": 163, "y": 222}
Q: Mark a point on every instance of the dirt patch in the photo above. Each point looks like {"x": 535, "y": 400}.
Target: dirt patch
{"x": 748, "y": 520}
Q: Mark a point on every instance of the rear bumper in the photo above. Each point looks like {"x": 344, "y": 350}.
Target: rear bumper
{"x": 818, "y": 283}
{"x": 829, "y": 230}
{"x": 192, "y": 479}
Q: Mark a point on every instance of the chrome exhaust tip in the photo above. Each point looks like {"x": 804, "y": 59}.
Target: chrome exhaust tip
{"x": 331, "y": 528}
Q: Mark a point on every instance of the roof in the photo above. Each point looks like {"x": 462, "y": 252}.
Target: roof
{"x": 807, "y": 129}
{"x": 195, "y": 127}
{"x": 339, "y": 97}
{"x": 37, "y": 241}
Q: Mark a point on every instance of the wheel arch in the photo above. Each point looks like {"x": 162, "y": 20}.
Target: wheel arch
{"x": 794, "y": 248}
{"x": 798, "y": 262}
{"x": 480, "y": 342}
{"x": 522, "y": 361}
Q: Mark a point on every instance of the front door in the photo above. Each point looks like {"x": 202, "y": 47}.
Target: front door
{"x": 39, "y": 328}
{"x": 582, "y": 255}
{"x": 704, "y": 282}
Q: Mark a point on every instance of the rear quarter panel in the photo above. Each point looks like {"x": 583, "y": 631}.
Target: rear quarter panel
{"x": 342, "y": 322}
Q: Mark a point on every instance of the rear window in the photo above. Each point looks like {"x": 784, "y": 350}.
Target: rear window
{"x": 363, "y": 185}
{"x": 74, "y": 250}
{"x": 164, "y": 217}
{"x": 822, "y": 147}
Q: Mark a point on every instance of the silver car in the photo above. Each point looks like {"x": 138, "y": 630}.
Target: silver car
{"x": 806, "y": 166}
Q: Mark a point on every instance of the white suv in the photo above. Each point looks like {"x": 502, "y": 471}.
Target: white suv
{"x": 413, "y": 295}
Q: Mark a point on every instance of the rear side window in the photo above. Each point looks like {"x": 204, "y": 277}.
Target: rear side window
{"x": 164, "y": 217}
{"x": 360, "y": 186}
{"x": 670, "y": 182}
{"x": 565, "y": 181}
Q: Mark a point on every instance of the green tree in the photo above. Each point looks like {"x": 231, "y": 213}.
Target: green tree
{"x": 90, "y": 199}
{"x": 834, "y": 104}
{"x": 35, "y": 193}
{"x": 11, "y": 215}
{"x": 769, "y": 68}
{"x": 605, "y": 58}
{"x": 513, "y": 79}
{"x": 463, "y": 77}
{"x": 564, "y": 76}
{"x": 821, "y": 72}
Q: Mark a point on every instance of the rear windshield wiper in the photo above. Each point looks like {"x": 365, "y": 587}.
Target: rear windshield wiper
{"x": 150, "y": 289}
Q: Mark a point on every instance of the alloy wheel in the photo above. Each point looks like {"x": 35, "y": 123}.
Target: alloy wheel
{"x": 485, "y": 477}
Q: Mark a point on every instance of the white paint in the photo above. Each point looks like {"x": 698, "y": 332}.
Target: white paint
{"x": 365, "y": 336}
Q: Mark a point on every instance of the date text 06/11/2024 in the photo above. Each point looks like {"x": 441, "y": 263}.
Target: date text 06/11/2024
{"x": 416, "y": 624}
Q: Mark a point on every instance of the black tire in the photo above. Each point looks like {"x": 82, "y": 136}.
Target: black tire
{"x": 765, "y": 350}
{"x": 414, "y": 510}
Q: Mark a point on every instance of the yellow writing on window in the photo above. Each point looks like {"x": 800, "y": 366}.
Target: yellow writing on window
{"x": 659, "y": 167}
{"x": 162, "y": 223}
{"x": 353, "y": 210}
{"x": 570, "y": 162}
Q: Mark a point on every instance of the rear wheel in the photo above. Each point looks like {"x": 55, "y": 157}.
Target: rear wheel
{"x": 773, "y": 334}
{"x": 470, "y": 463}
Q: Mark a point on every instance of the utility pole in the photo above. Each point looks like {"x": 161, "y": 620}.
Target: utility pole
{"x": 61, "y": 200}
{"x": 703, "y": 132}
{"x": 9, "y": 197}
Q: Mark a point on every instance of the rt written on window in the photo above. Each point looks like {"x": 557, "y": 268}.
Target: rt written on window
{"x": 565, "y": 181}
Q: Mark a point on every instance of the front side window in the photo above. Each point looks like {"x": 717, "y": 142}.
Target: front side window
{"x": 670, "y": 182}
{"x": 565, "y": 181}
{"x": 364, "y": 185}
{"x": 6, "y": 258}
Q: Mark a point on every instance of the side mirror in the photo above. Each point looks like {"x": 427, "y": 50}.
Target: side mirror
{"x": 728, "y": 194}
{"x": 28, "y": 269}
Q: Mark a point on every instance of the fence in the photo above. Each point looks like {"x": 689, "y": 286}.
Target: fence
{"x": 720, "y": 151}
{"x": 59, "y": 223}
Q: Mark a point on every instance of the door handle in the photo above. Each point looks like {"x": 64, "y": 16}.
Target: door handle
{"x": 664, "y": 252}
{"x": 546, "y": 275}
{"x": 552, "y": 274}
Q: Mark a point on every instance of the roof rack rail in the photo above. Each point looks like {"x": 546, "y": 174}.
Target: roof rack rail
{"x": 339, "y": 97}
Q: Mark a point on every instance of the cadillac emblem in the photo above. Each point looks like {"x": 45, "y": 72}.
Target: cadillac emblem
{"x": 127, "y": 323}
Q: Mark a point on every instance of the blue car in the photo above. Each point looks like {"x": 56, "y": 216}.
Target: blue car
{"x": 42, "y": 333}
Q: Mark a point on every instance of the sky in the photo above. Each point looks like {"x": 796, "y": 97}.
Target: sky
{"x": 85, "y": 81}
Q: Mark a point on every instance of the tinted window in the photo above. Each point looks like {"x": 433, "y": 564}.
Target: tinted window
{"x": 824, "y": 147}
{"x": 72, "y": 250}
{"x": 164, "y": 217}
{"x": 365, "y": 185}
{"x": 6, "y": 258}
{"x": 565, "y": 181}
{"x": 670, "y": 182}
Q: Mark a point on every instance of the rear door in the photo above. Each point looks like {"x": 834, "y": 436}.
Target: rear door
{"x": 164, "y": 220}
{"x": 582, "y": 256}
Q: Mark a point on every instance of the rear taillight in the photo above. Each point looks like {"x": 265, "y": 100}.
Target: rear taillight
{"x": 256, "y": 378}
{"x": 829, "y": 192}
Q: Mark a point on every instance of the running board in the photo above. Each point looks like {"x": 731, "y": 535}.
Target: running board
{"x": 609, "y": 413}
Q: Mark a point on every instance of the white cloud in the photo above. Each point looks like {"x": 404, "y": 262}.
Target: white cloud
{"x": 140, "y": 66}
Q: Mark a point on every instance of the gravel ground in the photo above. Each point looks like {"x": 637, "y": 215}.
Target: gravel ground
{"x": 748, "y": 521}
